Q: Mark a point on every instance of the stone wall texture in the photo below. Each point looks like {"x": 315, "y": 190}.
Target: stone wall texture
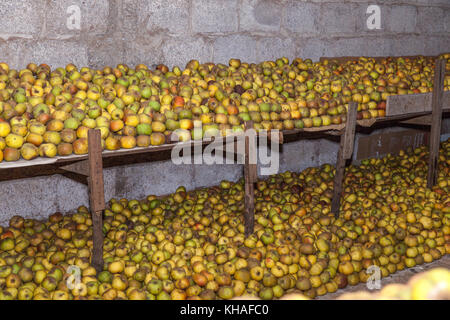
{"x": 173, "y": 32}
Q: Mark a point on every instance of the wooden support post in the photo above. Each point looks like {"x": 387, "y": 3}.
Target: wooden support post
{"x": 344, "y": 153}
{"x": 250, "y": 176}
{"x": 96, "y": 195}
{"x": 436, "y": 121}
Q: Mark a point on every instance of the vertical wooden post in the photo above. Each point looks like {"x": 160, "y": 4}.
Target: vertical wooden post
{"x": 436, "y": 121}
{"x": 250, "y": 176}
{"x": 96, "y": 195}
{"x": 344, "y": 153}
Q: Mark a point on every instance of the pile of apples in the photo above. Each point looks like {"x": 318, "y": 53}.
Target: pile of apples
{"x": 428, "y": 285}
{"x": 48, "y": 113}
{"x": 191, "y": 244}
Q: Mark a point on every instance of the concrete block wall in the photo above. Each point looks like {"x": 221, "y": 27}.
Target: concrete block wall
{"x": 173, "y": 32}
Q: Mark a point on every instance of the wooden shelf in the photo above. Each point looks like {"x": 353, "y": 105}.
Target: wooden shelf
{"x": 88, "y": 168}
{"x": 10, "y": 170}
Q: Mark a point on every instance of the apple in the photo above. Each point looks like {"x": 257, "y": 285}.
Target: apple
{"x": 49, "y": 283}
{"x": 80, "y": 146}
{"x": 5, "y": 129}
{"x": 20, "y": 130}
{"x": 112, "y": 143}
{"x": 71, "y": 123}
{"x": 326, "y": 120}
{"x": 94, "y": 112}
{"x": 129, "y": 131}
{"x": 11, "y": 154}
{"x": 116, "y": 125}
{"x": 64, "y": 149}
{"x": 18, "y": 121}
{"x": 52, "y": 137}
{"x": 317, "y": 121}
{"x": 55, "y": 125}
{"x": 82, "y": 132}
{"x": 127, "y": 142}
{"x": 25, "y": 274}
{"x": 37, "y": 128}
{"x": 68, "y": 135}
{"x": 25, "y": 294}
{"x": 143, "y": 141}
{"x": 14, "y": 141}
{"x": 144, "y": 129}
{"x": 187, "y": 124}
{"x": 29, "y": 151}
{"x": 43, "y": 118}
{"x": 102, "y": 122}
{"x": 40, "y": 109}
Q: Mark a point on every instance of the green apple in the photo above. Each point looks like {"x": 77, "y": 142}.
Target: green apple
{"x": 40, "y": 108}
{"x": 92, "y": 288}
{"x": 7, "y": 244}
{"x": 144, "y": 129}
{"x": 94, "y": 112}
{"x": 155, "y": 105}
{"x": 71, "y": 123}
{"x": 155, "y": 286}
{"x": 105, "y": 277}
{"x": 78, "y": 114}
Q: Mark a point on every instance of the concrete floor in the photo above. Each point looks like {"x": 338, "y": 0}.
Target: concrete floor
{"x": 398, "y": 277}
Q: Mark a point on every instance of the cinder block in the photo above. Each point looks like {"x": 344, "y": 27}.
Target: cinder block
{"x": 431, "y": 20}
{"x": 70, "y": 194}
{"x": 302, "y": 17}
{"x": 437, "y": 45}
{"x": 178, "y": 51}
{"x": 93, "y": 18}
{"x": 445, "y": 44}
{"x": 130, "y": 19}
{"x": 105, "y": 51}
{"x": 302, "y": 154}
{"x": 311, "y": 48}
{"x": 40, "y": 202}
{"x": 432, "y": 2}
{"x": 8, "y": 53}
{"x": 235, "y": 46}
{"x": 409, "y": 45}
{"x": 378, "y": 46}
{"x": 159, "y": 178}
{"x": 144, "y": 49}
{"x": 402, "y": 19}
{"x": 55, "y": 53}
{"x": 339, "y": 18}
{"x": 171, "y": 16}
{"x": 274, "y": 48}
{"x": 214, "y": 16}
{"x": 260, "y": 15}
{"x": 358, "y": 46}
{"x": 209, "y": 175}
{"x": 109, "y": 179}
{"x": 447, "y": 20}
{"x": 21, "y": 17}
{"x": 346, "y": 47}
